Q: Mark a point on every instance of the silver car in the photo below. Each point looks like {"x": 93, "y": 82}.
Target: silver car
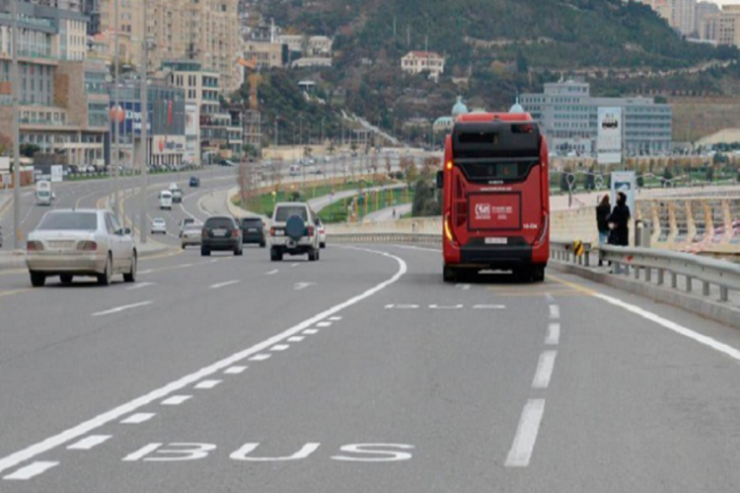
{"x": 191, "y": 235}
{"x": 82, "y": 242}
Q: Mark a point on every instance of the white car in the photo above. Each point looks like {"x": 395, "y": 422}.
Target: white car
{"x": 322, "y": 232}
{"x": 294, "y": 231}
{"x": 191, "y": 235}
{"x": 81, "y": 242}
{"x": 159, "y": 226}
{"x": 165, "y": 200}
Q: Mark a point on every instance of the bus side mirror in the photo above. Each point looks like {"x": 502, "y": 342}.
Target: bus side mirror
{"x": 440, "y": 179}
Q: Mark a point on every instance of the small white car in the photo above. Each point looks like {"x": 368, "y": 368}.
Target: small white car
{"x": 159, "y": 226}
{"x": 81, "y": 242}
{"x": 294, "y": 231}
{"x": 322, "y": 233}
{"x": 165, "y": 200}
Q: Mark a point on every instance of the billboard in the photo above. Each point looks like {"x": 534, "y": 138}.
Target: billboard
{"x": 168, "y": 144}
{"x": 128, "y": 115}
{"x": 191, "y": 121}
{"x": 625, "y": 181}
{"x": 609, "y": 137}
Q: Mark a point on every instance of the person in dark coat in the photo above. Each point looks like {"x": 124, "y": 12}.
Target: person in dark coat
{"x": 619, "y": 222}
{"x": 603, "y": 210}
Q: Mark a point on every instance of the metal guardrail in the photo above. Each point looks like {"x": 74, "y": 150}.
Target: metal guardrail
{"x": 708, "y": 271}
{"x": 565, "y": 252}
{"x": 428, "y": 239}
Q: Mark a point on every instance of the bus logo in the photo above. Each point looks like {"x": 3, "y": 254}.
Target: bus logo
{"x": 483, "y": 211}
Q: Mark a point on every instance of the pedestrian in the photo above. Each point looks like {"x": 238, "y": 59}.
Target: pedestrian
{"x": 394, "y": 213}
{"x": 619, "y": 222}
{"x": 603, "y": 210}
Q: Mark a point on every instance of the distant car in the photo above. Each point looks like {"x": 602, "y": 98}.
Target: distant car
{"x": 191, "y": 235}
{"x": 176, "y": 196}
{"x": 322, "y": 232}
{"x": 253, "y": 231}
{"x": 173, "y": 186}
{"x": 294, "y": 231}
{"x": 221, "y": 233}
{"x": 226, "y": 162}
{"x": 159, "y": 226}
{"x": 81, "y": 242}
{"x": 184, "y": 224}
{"x": 165, "y": 200}
{"x": 194, "y": 182}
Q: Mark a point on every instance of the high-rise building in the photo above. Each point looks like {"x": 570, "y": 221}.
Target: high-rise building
{"x": 703, "y": 9}
{"x": 683, "y": 16}
{"x": 724, "y": 27}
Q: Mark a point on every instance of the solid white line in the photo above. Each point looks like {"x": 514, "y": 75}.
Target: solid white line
{"x": 85, "y": 427}
{"x": 280, "y": 347}
{"x": 176, "y": 400}
{"x": 672, "y": 326}
{"x": 223, "y": 284}
{"x": 554, "y": 311}
{"x": 553, "y": 334}
{"x": 526, "y": 434}
{"x": 260, "y": 357}
{"x": 137, "y": 418}
{"x": 89, "y": 442}
{"x": 545, "y": 365}
{"x": 489, "y": 307}
{"x": 272, "y": 272}
{"x": 140, "y": 285}
{"x": 335, "y": 319}
{"x": 31, "y": 470}
{"x": 235, "y": 370}
{"x": 121, "y": 308}
{"x": 207, "y": 384}
{"x": 311, "y": 331}
{"x": 323, "y": 324}
{"x": 296, "y": 339}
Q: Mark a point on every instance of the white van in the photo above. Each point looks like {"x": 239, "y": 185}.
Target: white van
{"x": 44, "y": 195}
{"x": 165, "y": 199}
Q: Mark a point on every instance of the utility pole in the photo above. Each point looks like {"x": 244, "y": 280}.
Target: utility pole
{"x": 117, "y": 106}
{"x": 300, "y": 130}
{"x": 16, "y": 134}
{"x": 144, "y": 97}
{"x": 277, "y": 130}
{"x": 322, "y": 131}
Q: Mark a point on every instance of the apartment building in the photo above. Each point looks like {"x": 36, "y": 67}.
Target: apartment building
{"x": 267, "y": 55}
{"x": 416, "y": 62}
{"x": 680, "y": 14}
{"x": 130, "y": 29}
{"x": 723, "y": 27}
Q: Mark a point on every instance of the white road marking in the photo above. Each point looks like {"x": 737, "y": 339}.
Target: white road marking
{"x": 443, "y": 307}
{"x": 549, "y": 298}
{"x": 89, "y": 442}
{"x": 464, "y": 287}
{"x": 554, "y": 311}
{"x": 302, "y": 285}
{"x": 335, "y": 319}
{"x": 31, "y": 470}
{"x": 553, "y": 334}
{"x": 296, "y": 339}
{"x": 526, "y": 434}
{"x": 311, "y": 331}
{"x": 148, "y": 271}
{"x": 176, "y": 400}
{"x": 272, "y": 272}
{"x": 207, "y": 384}
{"x": 235, "y": 370}
{"x": 223, "y": 284}
{"x": 489, "y": 307}
{"x": 323, "y": 324}
{"x": 295, "y": 265}
{"x": 140, "y": 285}
{"x": 85, "y": 427}
{"x": 137, "y": 418}
{"x": 142, "y": 452}
{"x": 402, "y": 307}
{"x": 260, "y": 357}
{"x": 280, "y": 347}
{"x": 121, "y": 308}
{"x": 545, "y": 365}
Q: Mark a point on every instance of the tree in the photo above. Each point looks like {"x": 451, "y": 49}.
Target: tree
{"x": 710, "y": 173}
{"x": 6, "y": 145}
{"x": 28, "y": 150}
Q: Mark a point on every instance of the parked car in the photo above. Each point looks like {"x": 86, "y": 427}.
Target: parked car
{"x": 221, "y": 233}
{"x": 322, "y": 232}
{"x": 194, "y": 182}
{"x": 253, "y": 231}
{"x": 294, "y": 231}
{"x": 159, "y": 226}
{"x": 191, "y": 235}
{"x": 81, "y": 242}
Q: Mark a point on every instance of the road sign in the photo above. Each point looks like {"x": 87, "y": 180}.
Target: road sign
{"x": 578, "y": 248}
{"x": 57, "y": 173}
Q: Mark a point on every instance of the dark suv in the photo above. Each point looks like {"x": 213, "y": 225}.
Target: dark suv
{"x": 253, "y": 231}
{"x": 221, "y": 233}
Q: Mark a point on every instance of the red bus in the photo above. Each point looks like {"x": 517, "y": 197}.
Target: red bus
{"x": 496, "y": 200}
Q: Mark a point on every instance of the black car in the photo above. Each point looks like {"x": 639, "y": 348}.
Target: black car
{"x": 194, "y": 182}
{"x": 253, "y": 231}
{"x": 221, "y": 233}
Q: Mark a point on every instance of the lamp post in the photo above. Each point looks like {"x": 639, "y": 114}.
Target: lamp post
{"x": 143, "y": 226}
{"x": 16, "y": 135}
{"x": 116, "y": 105}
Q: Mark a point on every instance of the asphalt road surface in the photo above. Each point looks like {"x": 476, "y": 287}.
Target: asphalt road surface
{"x": 362, "y": 372}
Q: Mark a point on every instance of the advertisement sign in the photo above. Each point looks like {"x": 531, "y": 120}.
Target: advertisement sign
{"x": 191, "y": 120}
{"x": 626, "y": 182}
{"x": 168, "y": 144}
{"x": 609, "y": 137}
{"x": 495, "y": 211}
{"x": 128, "y": 115}
{"x": 57, "y": 173}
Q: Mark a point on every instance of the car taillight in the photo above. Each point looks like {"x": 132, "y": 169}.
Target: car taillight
{"x": 310, "y": 230}
{"x": 87, "y": 246}
{"x": 34, "y": 246}
{"x": 204, "y": 233}
{"x": 272, "y": 231}
{"x": 235, "y": 233}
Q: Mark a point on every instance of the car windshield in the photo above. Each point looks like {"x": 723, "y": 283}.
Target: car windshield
{"x": 219, "y": 222}
{"x": 284, "y": 212}
{"x": 69, "y": 221}
{"x": 43, "y": 193}
{"x": 252, "y": 223}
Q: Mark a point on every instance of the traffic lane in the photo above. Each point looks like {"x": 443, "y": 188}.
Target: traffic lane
{"x": 68, "y": 371}
{"x": 440, "y": 389}
{"x": 634, "y": 406}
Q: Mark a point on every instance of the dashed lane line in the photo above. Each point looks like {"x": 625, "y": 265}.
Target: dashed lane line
{"x": 296, "y": 339}
{"x": 138, "y": 418}
{"x": 553, "y": 334}
{"x": 545, "y": 366}
{"x": 311, "y": 331}
{"x": 207, "y": 384}
{"x": 235, "y": 370}
{"x": 280, "y": 347}
{"x": 31, "y": 470}
{"x": 260, "y": 357}
{"x": 223, "y": 284}
{"x": 176, "y": 400}
{"x": 120, "y": 309}
{"x": 554, "y": 311}
{"x": 89, "y": 442}
{"x": 526, "y": 434}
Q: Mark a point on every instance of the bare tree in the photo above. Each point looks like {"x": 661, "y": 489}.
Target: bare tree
{"x": 248, "y": 183}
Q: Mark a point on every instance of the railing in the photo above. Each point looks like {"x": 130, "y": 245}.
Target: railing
{"x": 708, "y": 271}
{"x": 428, "y": 239}
{"x": 565, "y": 251}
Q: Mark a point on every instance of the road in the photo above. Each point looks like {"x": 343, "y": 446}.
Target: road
{"x": 361, "y": 372}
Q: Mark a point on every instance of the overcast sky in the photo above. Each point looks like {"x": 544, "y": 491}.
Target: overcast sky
{"x": 726, "y": 2}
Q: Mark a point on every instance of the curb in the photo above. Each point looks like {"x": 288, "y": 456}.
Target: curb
{"x": 712, "y": 310}
{"x": 12, "y": 260}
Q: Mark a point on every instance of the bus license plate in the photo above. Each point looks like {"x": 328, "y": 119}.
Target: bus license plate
{"x": 496, "y": 241}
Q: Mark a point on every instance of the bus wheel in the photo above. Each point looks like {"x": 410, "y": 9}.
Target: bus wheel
{"x": 538, "y": 274}
{"x": 449, "y": 274}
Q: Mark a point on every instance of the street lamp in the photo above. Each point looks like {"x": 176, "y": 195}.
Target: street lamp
{"x": 16, "y": 134}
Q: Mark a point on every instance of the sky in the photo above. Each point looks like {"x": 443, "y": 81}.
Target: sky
{"x": 726, "y": 2}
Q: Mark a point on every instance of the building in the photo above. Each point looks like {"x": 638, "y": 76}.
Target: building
{"x": 266, "y": 54}
{"x": 416, "y": 62}
{"x": 311, "y": 62}
{"x": 130, "y": 26}
{"x": 683, "y": 16}
{"x": 568, "y": 116}
{"x": 703, "y": 9}
{"x": 63, "y": 99}
{"x": 723, "y": 27}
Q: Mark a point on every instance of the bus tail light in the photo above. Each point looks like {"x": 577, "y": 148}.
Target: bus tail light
{"x": 543, "y": 231}
{"x": 448, "y": 229}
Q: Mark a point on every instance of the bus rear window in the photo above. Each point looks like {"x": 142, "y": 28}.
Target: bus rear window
{"x": 478, "y": 138}
{"x": 487, "y": 171}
